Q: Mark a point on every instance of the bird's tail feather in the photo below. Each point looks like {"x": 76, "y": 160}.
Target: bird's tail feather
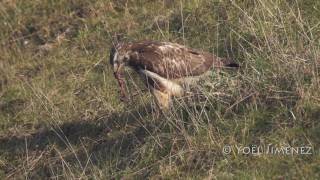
{"x": 225, "y": 63}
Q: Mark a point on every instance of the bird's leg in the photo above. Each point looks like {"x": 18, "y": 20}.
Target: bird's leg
{"x": 163, "y": 100}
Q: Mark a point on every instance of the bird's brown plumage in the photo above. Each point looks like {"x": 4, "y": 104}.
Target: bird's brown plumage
{"x": 170, "y": 60}
{"x": 163, "y": 60}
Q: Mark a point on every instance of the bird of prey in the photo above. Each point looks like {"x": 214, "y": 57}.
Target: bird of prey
{"x": 163, "y": 66}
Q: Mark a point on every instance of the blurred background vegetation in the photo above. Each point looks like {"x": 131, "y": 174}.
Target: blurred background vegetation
{"x": 60, "y": 114}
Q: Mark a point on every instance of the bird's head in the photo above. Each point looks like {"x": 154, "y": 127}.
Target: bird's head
{"x": 119, "y": 56}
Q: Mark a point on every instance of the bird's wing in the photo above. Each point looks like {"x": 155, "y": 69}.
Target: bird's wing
{"x": 170, "y": 60}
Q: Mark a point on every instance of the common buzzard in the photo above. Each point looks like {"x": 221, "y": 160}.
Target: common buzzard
{"x": 163, "y": 66}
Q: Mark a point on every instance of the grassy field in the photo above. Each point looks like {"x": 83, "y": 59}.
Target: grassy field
{"x": 60, "y": 114}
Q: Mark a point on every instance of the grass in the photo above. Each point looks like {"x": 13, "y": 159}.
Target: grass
{"x": 60, "y": 114}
